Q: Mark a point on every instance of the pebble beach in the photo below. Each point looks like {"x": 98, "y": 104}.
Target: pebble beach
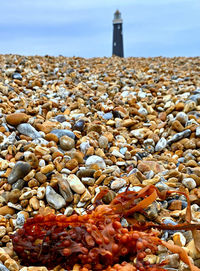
{"x": 70, "y": 127}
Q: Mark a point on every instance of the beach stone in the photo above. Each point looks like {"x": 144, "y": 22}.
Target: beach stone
{"x": 20, "y": 170}
{"x": 161, "y": 144}
{"x": 19, "y": 184}
{"x": 66, "y": 143}
{"x": 16, "y": 118}
{"x": 189, "y": 106}
{"x": 198, "y": 131}
{"x": 87, "y": 172}
{"x": 61, "y": 132}
{"x": 179, "y": 136}
{"x": 6, "y": 210}
{"x": 3, "y": 267}
{"x": 179, "y": 239}
{"x": 20, "y": 220}
{"x": 75, "y": 184}
{"x": 68, "y": 211}
{"x": 17, "y": 76}
{"x": 117, "y": 184}
{"x": 95, "y": 160}
{"x": 177, "y": 126}
{"x": 182, "y": 117}
{"x": 103, "y": 142}
{"x": 65, "y": 190}
{"x": 79, "y": 125}
{"x": 145, "y": 166}
{"x": 54, "y": 199}
{"x": 189, "y": 183}
{"x": 14, "y": 195}
{"x": 28, "y": 130}
{"x": 41, "y": 192}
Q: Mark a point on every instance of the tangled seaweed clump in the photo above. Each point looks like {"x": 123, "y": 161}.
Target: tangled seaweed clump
{"x": 97, "y": 240}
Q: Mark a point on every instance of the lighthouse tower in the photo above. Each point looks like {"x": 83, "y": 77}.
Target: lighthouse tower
{"x": 117, "y": 35}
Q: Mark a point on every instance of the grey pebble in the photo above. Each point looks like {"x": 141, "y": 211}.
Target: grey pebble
{"x": 179, "y": 136}
{"x": 20, "y": 220}
{"x": 20, "y": 170}
{"x": 161, "y": 144}
{"x": 61, "y": 132}
{"x": 198, "y": 131}
{"x": 3, "y": 268}
{"x": 28, "y": 130}
{"x": 54, "y": 199}
{"x": 19, "y": 184}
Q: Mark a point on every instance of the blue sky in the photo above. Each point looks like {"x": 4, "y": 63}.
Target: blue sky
{"x": 84, "y": 27}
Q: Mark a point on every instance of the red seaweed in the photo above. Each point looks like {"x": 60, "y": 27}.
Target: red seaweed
{"x": 97, "y": 240}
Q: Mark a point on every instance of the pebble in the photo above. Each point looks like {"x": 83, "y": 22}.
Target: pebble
{"x": 161, "y": 144}
{"x": 79, "y": 125}
{"x": 95, "y": 160}
{"x": 179, "y": 136}
{"x": 66, "y": 143}
{"x": 179, "y": 239}
{"x": 189, "y": 183}
{"x": 28, "y": 130}
{"x": 103, "y": 142}
{"x": 117, "y": 184}
{"x": 20, "y": 170}
{"x": 75, "y": 184}
{"x": 3, "y": 267}
{"x": 17, "y": 118}
{"x": 61, "y": 132}
{"x": 65, "y": 190}
{"x": 54, "y": 199}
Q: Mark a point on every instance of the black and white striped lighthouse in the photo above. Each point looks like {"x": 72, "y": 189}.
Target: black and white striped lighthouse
{"x": 118, "y": 49}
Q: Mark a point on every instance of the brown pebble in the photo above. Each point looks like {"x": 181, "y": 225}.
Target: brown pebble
{"x": 16, "y": 118}
{"x": 5, "y": 210}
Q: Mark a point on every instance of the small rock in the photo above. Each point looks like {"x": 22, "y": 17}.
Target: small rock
{"x": 20, "y": 220}
{"x": 2, "y": 231}
{"x": 16, "y": 76}
{"x": 189, "y": 183}
{"x": 68, "y": 211}
{"x": 182, "y": 117}
{"x": 61, "y": 132}
{"x": 117, "y": 184}
{"x": 75, "y": 184}
{"x": 66, "y": 143}
{"x": 16, "y": 118}
{"x": 87, "y": 172}
{"x": 20, "y": 170}
{"x": 198, "y": 131}
{"x": 95, "y": 160}
{"x": 103, "y": 142}
{"x": 54, "y": 199}
{"x": 162, "y": 143}
{"x": 179, "y": 136}
{"x": 28, "y": 130}
{"x": 14, "y": 195}
{"x": 179, "y": 239}
{"x": 5, "y": 210}
{"x": 79, "y": 125}
{"x": 41, "y": 192}
{"x": 65, "y": 190}
{"x": 3, "y": 267}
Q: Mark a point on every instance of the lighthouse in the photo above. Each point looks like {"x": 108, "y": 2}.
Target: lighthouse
{"x": 118, "y": 49}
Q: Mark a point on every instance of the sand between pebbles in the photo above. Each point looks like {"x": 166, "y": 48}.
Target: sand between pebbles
{"x": 71, "y": 126}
